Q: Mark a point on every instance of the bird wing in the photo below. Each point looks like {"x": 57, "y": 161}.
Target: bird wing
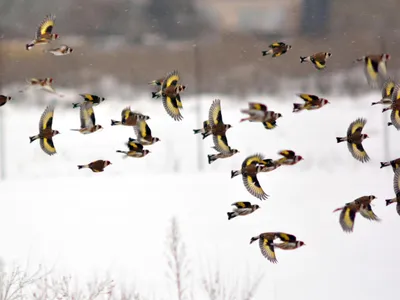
{"x": 309, "y": 98}
{"x": 356, "y": 126}
{"x": 267, "y": 250}
{"x": 242, "y": 204}
{"x": 255, "y": 158}
{"x": 285, "y": 237}
{"x": 142, "y": 129}
{"x": 88, "y": 119}
{"x": 179, "y": 101}
{"x": 253, "y": 187}
{"x": 287, "y": 153}
{"x": 382, "y": 68}
{"x": 87, "y": 97}
{"x": 396, "y": 93}
{"x": 319, "y": 64}
{"x": 398, "y": 208}
{"x": 277, "y": 44}
{"x": 171, "y": 80}
{"x": 258, "y": 106}
{"x": 284, "y": 245}
{"x": 388, "y": 88}
{"x": 395, "y": 118}
{"x": 214, "y": 115}
{"x": 366, "y": 212}
{"x": 134, "y": 146}
{"x": 171, "y": 107}
{"x": 371, "y": 70}
{"x": 396, "y": 181}
{"x": 46, "y": 26}
{"x": 46, "y": 120}
{"x": 47, "y": 146}
{"x": 358, "y": 152}
{"x": 346, "y": 219}
{"x": 221, "y": 144}
{"x": 269, "y": 124}
{"x": 126, "y": 113}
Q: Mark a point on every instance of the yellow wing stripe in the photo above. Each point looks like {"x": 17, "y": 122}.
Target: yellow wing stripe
{"x": 172, "y": 79}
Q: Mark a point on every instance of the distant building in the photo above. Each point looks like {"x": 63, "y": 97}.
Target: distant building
{"x": 262, "y": 16}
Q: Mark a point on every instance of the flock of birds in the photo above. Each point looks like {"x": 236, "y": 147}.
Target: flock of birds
{"x": 169, "y": 90}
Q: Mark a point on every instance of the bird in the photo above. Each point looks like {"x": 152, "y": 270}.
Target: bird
{"x": 312, "y": 102}
{"x": 394, "y": 163}
{"x": 218, "y": 127}
{"x": 129, "y": 118}
{"x": 46, "y": 131}
{"x": 387, "y": 92}
{"x": 135, "y": 150}
{"x": 396, "y": 187}
{"x": 348, "y": 213}
{"x": 60, "y": 51}
{"x": 40, "y": 83}
{"x": 354, "y": 139}
{"x": 242, "y": 209}
{"x": 289, "y": 245}
{"x": 157, "y": 82}
{"x": 276, "y": 49}
{"x": 251, "y": 166}
{"x": 266, "y": 243}
{"x": 395, "y": 107}
{"x": 269, "y": 165}
{"x": 289, "y": 158}
{"x": 271, "y": 122}
{"x": 96, "y": 166}
{"x": 318, "y": 59}
{"x": 44, "y": 33}
{"x": 374, "y": 67}
{"x": 170, "y": 93}
{"x": 205, "y": 130}
{"x": 4, "y": 99}
{"x": 88, "y": 119}
{"x": 259, "y": 112}
{"x": 227, "y": 152}
{"x": 94, "y": 99}
{"x": 143, "y": 134}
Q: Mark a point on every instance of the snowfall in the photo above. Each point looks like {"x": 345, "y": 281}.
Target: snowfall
{"x": 116, "y": 222}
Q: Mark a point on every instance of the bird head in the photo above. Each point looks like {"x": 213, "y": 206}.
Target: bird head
{"x": 328, "y": 54}
{"x": 386, "y": 57}
{"x": 289, "y": 47}
{"x": 48, "y": 80}
{"x": 299, "y": 158}
{"x": 102, "y": 99}
{"x": 9, "y": 98}
{"x": 256, "y": 206}
{"x": 107, "y": 163}
{"x": 278, "y": 115}
{"x": 55, "y": 36}
{"x": 372, "y": 197}
{"x": 156, "y": 139}
{"x": 364, "y": 136}
{"x": 99, "y": 127}
{"x": 300, "y": 243}
{"x": 235, "y": 151}
{"x": 145, "y": 152}
{"x": 55, "y": 132}
{"x": 253, "y": 239}
{"x": 324, "y": 101}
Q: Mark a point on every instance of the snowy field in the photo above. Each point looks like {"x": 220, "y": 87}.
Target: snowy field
{"x": 90, "y": 223}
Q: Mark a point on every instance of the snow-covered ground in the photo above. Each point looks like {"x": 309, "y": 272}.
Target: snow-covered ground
{"x": 116, "y": 221}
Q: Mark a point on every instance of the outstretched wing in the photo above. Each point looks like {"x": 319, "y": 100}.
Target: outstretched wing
{"x": 258, "y": 106}
{"x": 142, "y": 130}
{"x": 287, "y": 153}
{"x": 267, "y": 250}
{"x": 388, "y": 88}
{"x": 253, "y": 187}
{"x": 346, "y": 219}
{"x": 46, "y": 120}
{"x": 221, "y": 144}
{"x": 395, "y": 118}
{"x": 396, "y": 181}
{"x": 318, "y": 64}
{"x": 171, "y": 107}
{"x": 88, "y": 119}
{"x": 358, "y": 152}
{"x": 367, "y": 212}
{"x": 255, "y": 158}
{"x": 285, "y": 237}
{"x": 215, "y": 115}
{"x": 133, "y": 146}
{"x": 308, "y": 97}
{"x": 171, "y": 79}
{"x": 242, "y": 204}
{"x": 125, "y": 114}
{"x": 46, "y": 26}
{"x": 356, "y": 126}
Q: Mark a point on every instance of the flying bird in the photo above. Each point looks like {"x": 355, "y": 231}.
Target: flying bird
{"x": 396, "y": 187}
{"x": 44, "y": 33}
{"x": 46, "y": 132}
{"x": 205, "y": 130}
{"x": 171, "y": 95}
{"x": 4, "y": 99}
{"x": 251, "y": 166}
{"x": 387, "y": 92}
{"x": 289, "y": 245}
{"x": 394, "y": 163}
{"x": 60, "y": 51}
{"x": 395, "y": 107}
{"x": 96, "y": 166}
{"x": 129, "y": 118}
{"x": 157, "y": 82}
{"x": 45, "y": 84}
{"x": 312, "y": 102}
{"x": 135, "y": 150}
{"x": 143, "y": 134}
{"x": 270, "y": 165}
{"x": 375, "y": 67}
{"x": 267, "y": 245}
{"x": 88, "y": 119}
{"x": 354, "y": 140}
{"x": 242, "y": 209}
{"x": 259, "y": 112}
{"x": 276, "y": 49}
{"x": 289, "y": 158}
{"x": 348, "y": 213}
{"x": 318, "y": 59}
{"x": 94, "y": 99}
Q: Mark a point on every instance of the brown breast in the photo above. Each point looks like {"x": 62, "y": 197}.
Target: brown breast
{"x": 97, "y": 165}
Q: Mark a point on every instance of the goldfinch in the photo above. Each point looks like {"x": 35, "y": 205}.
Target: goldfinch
{"x": 259, "y": 112}
{"x": 170, "y": 92}
{"x": 266, "y": 243}
{"x": 95, "y": 100}
{"x": 396, "y": 187}
{"x": 348, "y": 213}
{"x": 205, "y": 131}
{"x": 289, "y": 158}
{"x": 143, "y": 134}
{"x": 46, "y": 132}
{"x": 223, "y": 149}
{"x": 289, "y": 245}
{"x": 354, "y": 140}
{"x": 271, "y": 122}
{"x": 318, "y": 59}
{"x": 60, "y": 51}
{"x": 394, "y": 163}
{"x": 129, "y": 118}
{"x": 45, "y": 84}
{"x": 269, "y": 165}
{"x": 218, "y": 128}
{"x": 395, "y": 107}
{"x": 374, "y": 67}
{"x": 4, "y": 99}
{"x": 44, "y": 33}
{"x": 387, "y": 92}
{"x": 277, "y": 49}
{"x": 312, "y": 102}
{"x": 88, "y": 119}
{"x": 251, "y": 166}
{"x": 135, "y": 150}
{"x": 96, "y": 166}
{"x": 242, "y": 209}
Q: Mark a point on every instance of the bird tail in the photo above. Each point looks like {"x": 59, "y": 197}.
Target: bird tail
{"x": 388, "y": 201}
{"x": 231, "y": 215}
{"x": 211, "y": 158}
{"x": 385, "y": 109}
{"x": 266, "y": 52}
{"x": 30, "y": 45}
{"x": 75, "y": 105}
{"x": 390, "y": 123}
{"x": 234, "y": 173}
{"x": 33, "y": 138}
{"x": 196, "y": 131}
{"x": 374, "y": 103}
{"x": 83, "y": 166}
{"x": 154, "y": 82}
{"x": 340, "y": 139}
{"x": 155, "y": 94}
{"x": 384, "y": 164}
{"x": 205, "y": 134}
{"x": 113, "y": 122}
{"x": 297, "y": 107}
{"x": 303, "y": 59}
